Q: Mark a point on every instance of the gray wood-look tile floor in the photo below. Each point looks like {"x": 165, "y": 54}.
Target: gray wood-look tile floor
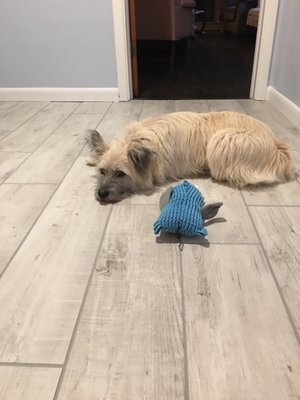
{"x": 93, "y": 308}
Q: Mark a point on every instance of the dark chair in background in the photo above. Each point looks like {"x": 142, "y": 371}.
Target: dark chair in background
{"x": 253, "y": 16}
{"x": 235, "y": 15}
{"x": 164, "y": 19}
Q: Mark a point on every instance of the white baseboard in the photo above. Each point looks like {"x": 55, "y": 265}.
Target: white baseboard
{"x": 59, "y": 94}
{"x": 284, "y": 105}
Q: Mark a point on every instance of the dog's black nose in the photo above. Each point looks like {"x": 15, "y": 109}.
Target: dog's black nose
{"x": 103, "y": 194}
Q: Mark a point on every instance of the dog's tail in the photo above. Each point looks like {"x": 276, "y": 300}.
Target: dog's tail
{"x": 279, "y": 166}
{"x": 246, "y": 159}
{"x": 282, "y": 164}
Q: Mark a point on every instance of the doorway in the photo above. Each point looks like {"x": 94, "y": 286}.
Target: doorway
{"x": 262, "y": 57}
{"x": 195, "y": 49}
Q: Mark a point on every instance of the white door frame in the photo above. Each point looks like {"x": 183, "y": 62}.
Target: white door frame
{"x": 262, "y": 55}
{"x": 122, "y": 46}
{"x": 263, "y": 49}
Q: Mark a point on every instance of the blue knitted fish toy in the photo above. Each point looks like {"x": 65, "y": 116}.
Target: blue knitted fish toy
{"x": 182, "y": 214}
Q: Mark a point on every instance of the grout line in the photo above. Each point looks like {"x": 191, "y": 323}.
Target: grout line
{"x": 14, "y": 152}
{"x": 142, "y": 108}
{"x": 28, "y": 232}
{"x": 24, "y": 122}
{"x": 272, "y": 205}
{"x": 106, "y": 112}
{"x": 14, "y": 170}
{"x": 80, "y": 312}
{"x": 31, "y": 153}
{"x": 38, "y": 217}
{"x": 10, "y": 108}
{"x": 285, "y": 305}
{"x": 235, "y": 243}
{"x": 29, "y": 365}
{"x": 184, "y": 334}
{"x": 156, "y": 204}
{"x": 30, "y": 183}
{"x": 89, "y": 113}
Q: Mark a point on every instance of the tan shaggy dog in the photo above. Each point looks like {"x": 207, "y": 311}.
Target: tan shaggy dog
{"x": 230, "y": 146}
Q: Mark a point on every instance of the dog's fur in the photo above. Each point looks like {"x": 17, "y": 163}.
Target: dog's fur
{"x": 230, "y": 146}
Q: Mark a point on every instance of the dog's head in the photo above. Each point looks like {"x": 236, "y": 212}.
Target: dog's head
{"x": 122, "y": 169}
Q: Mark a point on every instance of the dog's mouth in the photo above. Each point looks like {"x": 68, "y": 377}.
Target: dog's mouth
{"x": 104, "y": 202}
{"x": 112, "y": 200}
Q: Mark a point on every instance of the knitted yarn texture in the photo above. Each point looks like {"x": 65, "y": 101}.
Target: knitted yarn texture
{"x": 182, "y": 215}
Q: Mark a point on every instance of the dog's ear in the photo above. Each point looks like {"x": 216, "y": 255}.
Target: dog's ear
{"x": 96, "y": 142}
{"x": 140, "y": 156}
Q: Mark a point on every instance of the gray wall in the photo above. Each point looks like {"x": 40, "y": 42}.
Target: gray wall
{"x": 285, "y": 66}
{"x": 57, "y": 43}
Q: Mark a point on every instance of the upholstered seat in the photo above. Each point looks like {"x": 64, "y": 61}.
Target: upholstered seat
{"x": 252, "y": 18}
{"x": 164, "y": 19}
{"x": 235, "y": 15}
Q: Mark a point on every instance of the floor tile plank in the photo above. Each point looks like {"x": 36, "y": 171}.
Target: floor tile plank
{"x": 6, "y": 105}
{"x": 240, "y": 342}
{"x": 224, "y": 105}
{"x": 285, "y": 194}
{"x": 20, "y": 206}
{"x": 16, "y": 116}
{"x": 232, "y": 224}
{"x": 9, "y": 162}
{"x": 92, "y": 107}
{"x": 154, "y": 108}
{"x": 118, "y": 117}
{"x": 296, "y": 157}
{"x": 279, "y": 230}
{"x": 281, "y": 126}
{"x": 33, "y": 132}
{"x": 24, "y": 383}
{"x": 149, "y": 197}
{"x": 137, "y": 318}
{"x": 199, "y": 106}
{"x": 51, "y": 161}
{"x": 129, "y": 340}
{"x": 49, "y": 274}
{"x": 238, "y": 227}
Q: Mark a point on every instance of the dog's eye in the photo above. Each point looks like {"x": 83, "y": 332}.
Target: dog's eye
{"x": 102, "y": 171}
{"x": 119, "y": 174}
